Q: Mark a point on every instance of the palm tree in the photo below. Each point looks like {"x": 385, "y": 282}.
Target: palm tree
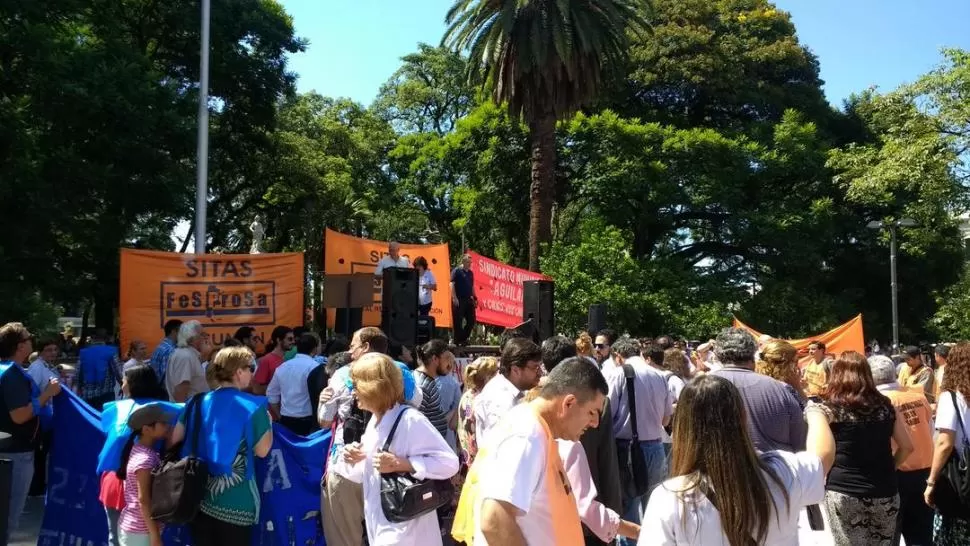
{"x": 545, "y": 59}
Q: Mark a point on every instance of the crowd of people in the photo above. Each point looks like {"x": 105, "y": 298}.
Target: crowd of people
{"x": 599, "y": 440}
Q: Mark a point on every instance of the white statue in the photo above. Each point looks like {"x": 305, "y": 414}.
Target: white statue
{"x": 259, "y": 231}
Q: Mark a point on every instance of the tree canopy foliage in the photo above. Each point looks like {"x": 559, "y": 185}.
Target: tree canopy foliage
{"x": 708, "y": 176}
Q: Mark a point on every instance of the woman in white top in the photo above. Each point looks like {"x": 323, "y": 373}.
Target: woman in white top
{"x": 758, "y": 496}
{"x": 426, "y": 285}
{"x": 956, "y": 380}
{"x": 417, "y": 448}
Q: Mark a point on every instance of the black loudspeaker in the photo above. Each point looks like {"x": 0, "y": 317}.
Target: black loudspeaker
{"x": 348, "y": 321}
{"x": 537, "y": 305}
{"x": 425, "y": 330}
{"x": 399, "y": 305}
{"x": 597, "y": 319}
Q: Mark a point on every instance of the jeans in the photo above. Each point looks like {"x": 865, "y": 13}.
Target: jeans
{"x": 655, "y": 456}
{"x": 22, "y": 474}
{"x": 113, "y": 516}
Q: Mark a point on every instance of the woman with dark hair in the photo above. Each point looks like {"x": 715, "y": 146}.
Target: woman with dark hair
{"x": 861, "y": 498}
{"x": 952, "y": 421}
{"x": 426, "y": 285}
{"x": 758, "y": 496}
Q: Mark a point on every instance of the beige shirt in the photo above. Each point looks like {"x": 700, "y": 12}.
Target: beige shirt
{"x": 185, "y": 364}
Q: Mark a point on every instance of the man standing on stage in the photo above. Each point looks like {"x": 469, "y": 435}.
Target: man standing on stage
{"x": 463, "y": 300}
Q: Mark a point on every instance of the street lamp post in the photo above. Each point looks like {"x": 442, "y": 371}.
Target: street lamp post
{"x": 202, "y": 152}
{"x": 892, "y": 226}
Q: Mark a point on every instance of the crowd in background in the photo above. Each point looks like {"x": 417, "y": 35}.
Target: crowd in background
{"x": 596, "y": 440}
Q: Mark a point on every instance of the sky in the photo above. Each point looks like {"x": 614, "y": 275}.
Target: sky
{"x": 355, "y": 46}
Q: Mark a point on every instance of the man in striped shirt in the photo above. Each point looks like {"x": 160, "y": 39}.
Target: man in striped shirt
{"x": 434, "y": 356}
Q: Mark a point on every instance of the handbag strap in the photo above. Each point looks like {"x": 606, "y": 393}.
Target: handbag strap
{"x": 194, "y": 411}
{"x": 631, "y": 399}
{"x": 390, "y": 436}
{"x": 956, "y": 411}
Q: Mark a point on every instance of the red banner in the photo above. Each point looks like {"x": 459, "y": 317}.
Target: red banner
{"x": 498, "y": 287}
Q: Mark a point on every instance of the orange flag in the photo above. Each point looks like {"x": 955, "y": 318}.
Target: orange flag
{"x": 847, "y": 337}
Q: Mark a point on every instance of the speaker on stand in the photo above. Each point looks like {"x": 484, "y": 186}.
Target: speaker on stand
{"x": 597, "y": 319}
{"x": 538, "y": 304}
{"x": 399, "y": 305}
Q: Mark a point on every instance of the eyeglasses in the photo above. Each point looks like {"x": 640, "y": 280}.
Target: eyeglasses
{"x": 601, "y": 345}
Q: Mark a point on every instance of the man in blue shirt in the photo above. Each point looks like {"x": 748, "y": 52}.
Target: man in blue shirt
{"x": 463, "y": 300}
{"x": 164, "y": 350}
{"x": 98, "y": 371}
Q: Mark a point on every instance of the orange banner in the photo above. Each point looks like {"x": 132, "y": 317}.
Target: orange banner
{"x": 346, "y": 254}
{"x": 847, "y": 337}
{"x": 222, "y": 291}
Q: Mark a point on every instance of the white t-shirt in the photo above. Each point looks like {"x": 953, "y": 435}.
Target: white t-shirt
{"x": 664, "y": 523}
{"x": 387, "y": 261}
{"x": 289, "y": 388}
{"x": 424, "y": 292}
{"x": 946, "y": 417}
{"x": 514, "y": 471}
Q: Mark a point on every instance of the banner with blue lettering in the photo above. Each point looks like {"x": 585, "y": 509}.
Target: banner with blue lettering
{"x": 288, "y": 479}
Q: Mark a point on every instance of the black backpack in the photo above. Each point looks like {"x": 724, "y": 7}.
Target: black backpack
{"x": 355, "y": 424}
{"x": 179, "y": 484}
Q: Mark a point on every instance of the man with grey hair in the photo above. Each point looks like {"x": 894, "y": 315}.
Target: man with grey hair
{"x": 393, "y": 259}
{"x": 915, "y": 518}
{"x": 185, "y": 376}
{"x": 651, "y": 407}
{"x": 774, "y": 410}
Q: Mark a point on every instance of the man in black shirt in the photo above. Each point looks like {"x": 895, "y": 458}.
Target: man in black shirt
{"x": 22, "y": 403}
{"x": 463, "y": 300}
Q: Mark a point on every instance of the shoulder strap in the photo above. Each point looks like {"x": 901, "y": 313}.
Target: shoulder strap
{"x": 631, "y": 400}
{"x": 956, "y": 411}
{"x": 194, "y": 412}
{"x": 390, "y": 436}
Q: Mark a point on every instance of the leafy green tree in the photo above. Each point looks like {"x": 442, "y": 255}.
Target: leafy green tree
{"x": 545, "y": 60}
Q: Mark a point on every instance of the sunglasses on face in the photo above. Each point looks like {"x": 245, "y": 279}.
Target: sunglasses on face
{"x": 601, "y": 345}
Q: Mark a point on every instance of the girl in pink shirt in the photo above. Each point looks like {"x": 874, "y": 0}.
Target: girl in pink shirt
{"x": 136, "y": 527}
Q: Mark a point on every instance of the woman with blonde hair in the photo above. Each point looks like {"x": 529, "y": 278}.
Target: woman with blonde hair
{"x": 779, "y": 360}
{"x": 477, "y": 374}
{"x": 398, "y": 438}
{"x": 235, "y": 429}
{"x": 722, "y": 491}
{"x": 584, "y": 347}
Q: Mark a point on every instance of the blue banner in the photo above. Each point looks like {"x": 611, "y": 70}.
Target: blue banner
{"x": 288, "y": 478}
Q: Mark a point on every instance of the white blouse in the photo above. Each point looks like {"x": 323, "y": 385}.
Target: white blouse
{"x": 417, "y": 440}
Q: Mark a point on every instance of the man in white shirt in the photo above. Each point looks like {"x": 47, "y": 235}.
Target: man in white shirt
{"x": 520, "y": 368}
{"x": 524, "y": 496}
{"x": 602, "y": 347}
{"x": 185, "y": 376}
{"x": 288, "y": 391}
{"x": 653, "y": 407}
{"x": 393, "y": 259}
{"x": 41, "y": 370}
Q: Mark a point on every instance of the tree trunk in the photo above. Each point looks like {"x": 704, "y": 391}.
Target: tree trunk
{"x": 542, "y": 137}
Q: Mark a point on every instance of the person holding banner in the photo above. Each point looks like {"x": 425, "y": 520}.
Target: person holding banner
{"x": 235, "y": 429}
{"x": 23, "y": 405}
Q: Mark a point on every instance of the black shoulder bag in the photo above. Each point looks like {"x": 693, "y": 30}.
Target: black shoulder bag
{"x": 952, "y": 491}
{"x": 633, "y": 466}
{"x": 403, "y": 497}
{"x": 179, "y": 484}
